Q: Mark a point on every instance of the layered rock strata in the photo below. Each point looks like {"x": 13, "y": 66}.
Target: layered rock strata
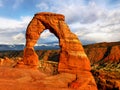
{"x": 72, "y": 56}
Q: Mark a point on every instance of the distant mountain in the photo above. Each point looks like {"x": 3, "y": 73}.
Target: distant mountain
{"x": 4, "y": 47}
{"x": 47, "y": 47}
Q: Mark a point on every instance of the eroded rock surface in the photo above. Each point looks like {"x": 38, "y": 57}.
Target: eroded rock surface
{"x": 103, "y": 52}
{"x": 28, "y": 79}
{"x": 72, "y": 58}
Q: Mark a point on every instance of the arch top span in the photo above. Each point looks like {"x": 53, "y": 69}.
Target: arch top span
{"x": 49, "y": 14}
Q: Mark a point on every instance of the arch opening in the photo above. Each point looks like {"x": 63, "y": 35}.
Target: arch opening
{"x": 48, "y": 40}
{"x": 48, "y": 44}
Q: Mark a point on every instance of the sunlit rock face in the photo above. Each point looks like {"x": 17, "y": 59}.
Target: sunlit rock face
{"x": 72, "y": 56}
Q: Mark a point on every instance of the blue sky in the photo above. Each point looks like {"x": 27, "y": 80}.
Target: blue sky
{"x": 92, "y": 21}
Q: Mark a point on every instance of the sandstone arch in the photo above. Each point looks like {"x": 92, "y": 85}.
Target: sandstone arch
{"x": 72, "y": 56}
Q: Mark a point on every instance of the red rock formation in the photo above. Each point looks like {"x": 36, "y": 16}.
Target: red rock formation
{"x": 6, "y": 62}
{"x": 114, "y": 54}
{"x": 107, "y": 80}
{"x": 95, "y": 54}
{"x": 27, "y": 79}
{"x": 30, "y": 57}
{"x": 105, "y": 52}
{"x": 45, "y": 58}
{"x": 72, "y": 56}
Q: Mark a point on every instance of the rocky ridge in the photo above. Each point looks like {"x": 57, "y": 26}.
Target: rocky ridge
{"x": 106, "y": 52}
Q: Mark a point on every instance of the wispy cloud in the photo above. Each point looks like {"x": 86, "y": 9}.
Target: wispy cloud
{"x": 19, "y": 38}
{"x": 6, "y": 23}
{"x": 12, "y": 31}
{"x": 17, "y": 3}
{"x": 45, "y": 34}
{"x": 42, "y": 6}
{"x": 1, "y": 3}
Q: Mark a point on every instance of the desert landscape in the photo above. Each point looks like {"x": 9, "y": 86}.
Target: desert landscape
{"x": 72, "y": 67}
{"x": 104, "y": 59}
{"x": 60, "y": 45}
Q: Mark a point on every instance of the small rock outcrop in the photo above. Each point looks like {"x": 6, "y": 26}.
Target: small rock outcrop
{"x": 72, "y": 56}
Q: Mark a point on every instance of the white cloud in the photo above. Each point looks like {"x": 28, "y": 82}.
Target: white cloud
{"x": 83, "y": 13}
{"x": 1, "y": 3}
{"x": 96, "y": 37}
{"x": 101, "y": 37}
{"x": 103, "y": 30}
{"x": 17, "y": 3}
{"x": 19, "y": 36}
{"x": 42, "y": 6}
{"x": 106, "y": 28}
{"x": 9, "y": 23}
{"x": 93, "y": 22}
{"x": 12, "y": 31}
{"x": 6, "y": 23}
{"x": 46, "y": 34}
